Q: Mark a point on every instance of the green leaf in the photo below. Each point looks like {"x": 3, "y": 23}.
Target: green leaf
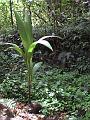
{"x": 23, "y": 1}
{"x": 37, "y": 66}
{"x": 18, "y": 49}
{"x": 40, "y": 41}
{"x": 28, "y": 28}
{"x": 49, "y": 37}
{"x": 45, "y": 43}
{"x": 15, "y": 47}
{"x": 25, "y": 30}
{"x": 22, "y": 31}
{"x": 32, "y": 46}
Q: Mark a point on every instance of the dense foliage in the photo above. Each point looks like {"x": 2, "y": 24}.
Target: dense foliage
{"x": 63, "y": 81}
{"x": 55, "y": 89}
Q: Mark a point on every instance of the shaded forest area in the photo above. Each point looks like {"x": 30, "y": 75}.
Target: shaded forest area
{"x": 60, "y": 88}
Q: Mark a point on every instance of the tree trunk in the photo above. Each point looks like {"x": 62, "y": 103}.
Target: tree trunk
{"x": 11, "y": 12}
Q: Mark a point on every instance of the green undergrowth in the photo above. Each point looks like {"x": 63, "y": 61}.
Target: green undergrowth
{"x": 55, "y": 89}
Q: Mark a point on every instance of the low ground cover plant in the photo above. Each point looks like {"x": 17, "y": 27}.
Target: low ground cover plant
{"x": 55, "y": 89}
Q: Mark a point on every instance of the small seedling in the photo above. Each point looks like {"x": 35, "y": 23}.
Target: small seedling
{"x": 25, "y": 31}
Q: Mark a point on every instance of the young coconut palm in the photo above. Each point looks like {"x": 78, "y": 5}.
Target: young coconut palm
{"x": 25, "y": 31}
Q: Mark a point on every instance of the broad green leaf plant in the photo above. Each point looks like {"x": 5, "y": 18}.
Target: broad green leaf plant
{"x": 25, "y": 31}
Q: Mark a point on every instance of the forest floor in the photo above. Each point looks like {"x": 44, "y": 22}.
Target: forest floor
{"x": 21, "y": 112}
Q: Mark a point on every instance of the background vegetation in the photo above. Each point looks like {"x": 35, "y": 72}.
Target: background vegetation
{"x": 63, "y": 82}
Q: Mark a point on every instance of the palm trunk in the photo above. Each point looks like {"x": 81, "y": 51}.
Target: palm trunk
{"x": 29, "y": 65}
{"x": 29, "y": 84}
